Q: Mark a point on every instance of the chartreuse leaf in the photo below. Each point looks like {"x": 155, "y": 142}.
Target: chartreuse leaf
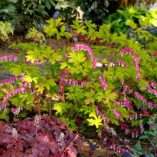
{"x": 59, "y": 108}
{"x": 154, "y": 17}
{"x": 63, "y": 65}
{"x": 51, "y": 29}
{"x": 54, "y": 57}
{"x": 57, "y": 29}
{"x": 144, "y": 20}
{"x": 90, "y": 25}
{"x": 76, "y": 57}
{"x": 36, "y": 53}
{"x": 79, "y": 27}
{"x": 45, "y": 83}
{"x": 154, "y": 22}
{"x": 63, "y": 107}
{"x": 131, "y": 23}
{"x": 131, "y": 10}
{"x": 90, "y": 97}
{"x": 100, "y": 95}
{"x": 110, "y": 96}
{"x": 153, "y": 13}
{"x": 58, "y": 21}
{"x": 94, "y": 120}
{"x": 30, "y": 79}
{"x": 104, "y": 60}
{"x": 63, "y": 33}
{"x": 88, "y": 109}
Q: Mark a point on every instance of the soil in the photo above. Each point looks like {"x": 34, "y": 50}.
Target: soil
{"x": 98, "y": 152}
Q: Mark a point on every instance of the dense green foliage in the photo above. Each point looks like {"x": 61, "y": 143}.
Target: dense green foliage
{"x": 7, "y": 9}
{"x": 131, "y": 18}
{"x": 25, "y": 13}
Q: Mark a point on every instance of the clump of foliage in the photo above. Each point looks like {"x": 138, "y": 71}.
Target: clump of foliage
{"x": 24, "y": 14}
{"x": 35, "y": 35}
{"x": 5, "y": 30}
{"x": 7, "y": 9}
{"x": 39, "y": 136}
{"x": 150, "y": 136}
{"x": 57, "y": 29}
{"x": 132, "y": 18}
{"x": 32, "y": 13}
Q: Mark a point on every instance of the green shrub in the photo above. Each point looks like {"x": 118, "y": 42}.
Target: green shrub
{"x": 131, "y": 18}
{"x": 68, "y": 83}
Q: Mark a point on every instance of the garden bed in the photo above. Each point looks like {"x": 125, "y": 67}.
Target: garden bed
{"x": 99, "y": 81}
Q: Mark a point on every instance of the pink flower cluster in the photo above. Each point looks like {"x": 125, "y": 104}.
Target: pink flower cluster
{"x": 127, "y": 50}
{"x": 84, "y": 47}
{"x": 8, "y": 95}
{"x": 144, "y": 101}
{"x": 71, "y": 81}
{"x": 116, "y": 113}
{"x": 103, "y": 82}
{"x": 153, "y": 84}
{"x": 125, "y": 88}
{"x": 136, "y": 133}
{"x": 125, "y": 127}
{"x": 75, "y": 82}
{"x": 64, "y": 80}
{"x": 143, "y": 113}
{"x": 121, "y": 63}
{"x": 37, "y": 61}
{"x": 115, "y": 147}
{"x": 133, "y": 116}
{"x": 125, "y": 102}
{"x": 10, "y": 80}
{"x": 8, "y": 58}
{"x": 152, "y": 91}
{"x": 133, "y": 133}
